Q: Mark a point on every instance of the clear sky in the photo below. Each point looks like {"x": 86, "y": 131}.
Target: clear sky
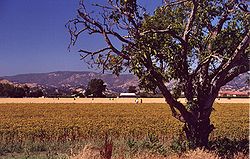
{"x": 33, "y": 37}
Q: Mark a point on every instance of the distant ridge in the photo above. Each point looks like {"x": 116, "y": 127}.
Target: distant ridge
{"x": 74, "y": 79}
{"x": 118, "y": 84}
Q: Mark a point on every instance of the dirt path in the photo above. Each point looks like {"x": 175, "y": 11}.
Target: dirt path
{"x": 108, "y": 100}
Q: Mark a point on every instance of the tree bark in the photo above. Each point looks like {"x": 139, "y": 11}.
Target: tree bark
{"x": 198, "y": 130}
{"x": 198, "y": 133}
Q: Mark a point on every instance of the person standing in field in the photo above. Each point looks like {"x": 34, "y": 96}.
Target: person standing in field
{"x": 137, "y": 101}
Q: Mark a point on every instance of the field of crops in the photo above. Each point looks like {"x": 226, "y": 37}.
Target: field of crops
{"x": 22, "y": 124}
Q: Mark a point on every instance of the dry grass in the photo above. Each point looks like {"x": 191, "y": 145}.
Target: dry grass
{"x": 92, "y": 152}
{"x": 89, "y": 152}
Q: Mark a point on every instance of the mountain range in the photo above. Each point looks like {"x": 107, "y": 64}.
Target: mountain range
{"x": 75, "y": 79}
{"x": 115, "y": 83}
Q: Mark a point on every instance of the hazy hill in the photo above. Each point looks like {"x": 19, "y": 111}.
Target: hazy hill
{"x": 240, "y": 83}
{"x": 118, "y": 84}
{"x": 74, "y": 79}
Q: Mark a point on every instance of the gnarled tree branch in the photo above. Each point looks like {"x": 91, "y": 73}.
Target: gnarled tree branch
{"x": 102, "y": 31}
{"x": 190, "y": 20}
{"x": 166, "y": 31}
{"x": 232, "y": 61}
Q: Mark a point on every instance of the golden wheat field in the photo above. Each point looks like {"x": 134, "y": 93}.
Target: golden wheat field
{"x": 63, "y": 121}
{"x": 26, "y": 125}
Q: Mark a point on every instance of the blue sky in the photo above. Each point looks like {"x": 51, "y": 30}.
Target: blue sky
{"x": 33, "y": 37}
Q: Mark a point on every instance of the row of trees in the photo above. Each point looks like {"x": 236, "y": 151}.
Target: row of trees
{"x": 8, "y": 90}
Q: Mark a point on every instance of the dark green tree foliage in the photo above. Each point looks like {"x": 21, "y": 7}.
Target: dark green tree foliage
{"x": 199, "y": 44}
{"x": 96, "y": 88}
{"x": 132, "y": 89}
{"x": 8, "y": 90}
{"x": 36, "y": 93}
{"x": 18, "y": 92}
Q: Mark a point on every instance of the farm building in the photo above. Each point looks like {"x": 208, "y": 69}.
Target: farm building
{"x": 127, "y": 95}
{"x": 233, "y": 94}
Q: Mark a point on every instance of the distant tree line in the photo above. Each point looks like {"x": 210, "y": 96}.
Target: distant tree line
{"x": 8, "y": 90}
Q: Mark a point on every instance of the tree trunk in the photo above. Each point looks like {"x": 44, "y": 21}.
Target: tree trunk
{"x": 198, "y": 133}
{"x": 198, "y": 128}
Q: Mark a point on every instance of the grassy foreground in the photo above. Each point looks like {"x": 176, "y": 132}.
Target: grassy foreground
{"x": 53, "y": 129}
